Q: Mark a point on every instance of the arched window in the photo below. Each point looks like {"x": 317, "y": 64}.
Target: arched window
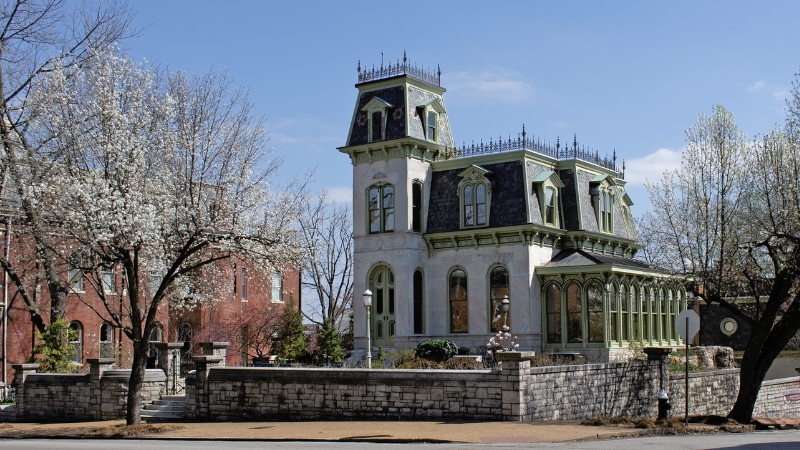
{"x": 646, "y": 335}
{"x": 613, "y": 304}
{"x": 574, "y": 314}
{"x": 459, "y": 308}
{"x": 623, "y": 313}
{"x": 76, "y": 342}
{"x": 636, "y": 304}
{"x": 604, "y": 207}
{"x": 552, "y": 297}
{"x": 106, "y": 340}
{"x": 416, "y": 207}
{"x": 381, "y": 208}
{"x": 157, "y": 333}
{"x": 498, "y": 290}
{"x": 185, "y": 332}
{"x": 594, "y": 307}
{"x": 664, "y": 298}
{"x": 418, "y": 302}
{"x": 473, "y": 201}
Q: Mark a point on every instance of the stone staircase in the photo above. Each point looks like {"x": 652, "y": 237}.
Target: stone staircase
{"x": 168, "y": 407}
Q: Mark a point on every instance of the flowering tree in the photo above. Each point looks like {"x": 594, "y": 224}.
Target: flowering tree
{"x": 36, "y": 37}
{"x": 729, "y": 220}
{"x": 161, "y": 176}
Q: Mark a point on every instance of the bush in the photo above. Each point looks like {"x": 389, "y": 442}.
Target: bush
{"x": 436, "y": 349}
{"x": 54, "y": 350}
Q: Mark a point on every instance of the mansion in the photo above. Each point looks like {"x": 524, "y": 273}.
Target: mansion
{"x": 456, "y": 243}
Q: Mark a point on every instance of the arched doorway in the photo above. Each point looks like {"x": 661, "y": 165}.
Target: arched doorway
{"x": 381, "y": 283}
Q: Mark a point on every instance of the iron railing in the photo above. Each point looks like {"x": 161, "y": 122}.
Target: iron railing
{"x": 404, "y": 68}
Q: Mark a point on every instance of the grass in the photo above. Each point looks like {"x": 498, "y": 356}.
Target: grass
{"x": 121, "y": 431}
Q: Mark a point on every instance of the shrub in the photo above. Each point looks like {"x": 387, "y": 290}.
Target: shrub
{"x": 53, "y": 352}
{"x": 436, "y": 349}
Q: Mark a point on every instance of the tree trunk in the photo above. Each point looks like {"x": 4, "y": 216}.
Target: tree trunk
{"x": 751, "y": 375}
{"x": 133, "y": 414}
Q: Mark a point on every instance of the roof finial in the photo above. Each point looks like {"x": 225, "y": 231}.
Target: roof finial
{"x": 381, "y": 58}
{"x": 558, "y": 142}
{"x": 359, "y": 66}
{"x": 439, "y": 72}
{"x": 575, "y": 141}
{"x": 523, "y": 132}
{"x": 404, "y": 58}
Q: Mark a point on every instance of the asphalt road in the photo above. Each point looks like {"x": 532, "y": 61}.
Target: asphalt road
{"x": 767, "y": 440}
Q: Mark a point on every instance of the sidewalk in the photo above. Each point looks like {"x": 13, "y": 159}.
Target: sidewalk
{"x": 352, "y": 431}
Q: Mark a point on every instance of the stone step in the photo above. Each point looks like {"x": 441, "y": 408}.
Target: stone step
{"x": 168, "y": 407}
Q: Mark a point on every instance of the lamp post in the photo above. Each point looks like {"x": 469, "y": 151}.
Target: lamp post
{"x": 505, "y": 305}
{"x": 367, "y": 305}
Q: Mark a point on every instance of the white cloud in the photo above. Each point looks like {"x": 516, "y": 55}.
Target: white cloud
{"x": 757, "y": 86}
{"x": 498, "y": 85}
{"x": 340, "y": 194}
{"x": 780, "y": 95}
{"x": 652, "y": 167}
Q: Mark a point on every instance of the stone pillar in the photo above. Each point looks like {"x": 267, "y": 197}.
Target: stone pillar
{"x": 658, "y": 357}
{"x": 215, "y": 349}
{"x": 96, "y": 368}
{"x": 169, "y": 360}
{"x": 515, "y": 367}
{"x": 202, "y": 365}
{"x": 21, "y": 371}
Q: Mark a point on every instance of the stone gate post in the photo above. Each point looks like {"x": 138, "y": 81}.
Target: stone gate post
{"x": 203, "y": 364}
{"x": 21, "y": 371}
{"x": 516, "y": 368}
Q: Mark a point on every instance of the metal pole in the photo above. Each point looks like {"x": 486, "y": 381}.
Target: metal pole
{"x": 687, "y": 374}
{"x": 369, "y": 344}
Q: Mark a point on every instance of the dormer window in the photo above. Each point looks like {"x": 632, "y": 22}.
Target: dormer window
{"x": 431, "y": 125}
{"x": 429, "y": 112}
{"x": 547, "y": 185}
{"x": 377, "y": 111}
{"x": 475, "y": 194}
{"x": 376, "y": 126}
{"x": 603, "y": 197}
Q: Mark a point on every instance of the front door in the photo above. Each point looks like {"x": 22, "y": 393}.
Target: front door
{"x": 383, "y": 307}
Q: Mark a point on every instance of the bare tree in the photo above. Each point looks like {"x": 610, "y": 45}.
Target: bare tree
{"x": 326, "y": 231}
{"x": 162, "y": 176}
{"x": 37, "y": 37}
{"x": 729, "y": 220}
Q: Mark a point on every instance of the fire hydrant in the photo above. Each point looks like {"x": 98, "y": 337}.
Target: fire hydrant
{"x": 663, "y": 405}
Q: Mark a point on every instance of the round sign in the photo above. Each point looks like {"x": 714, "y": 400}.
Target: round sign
{"x": 728, "y": 326}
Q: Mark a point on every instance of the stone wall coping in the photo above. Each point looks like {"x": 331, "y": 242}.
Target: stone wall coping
{"x": 588, "y": 367}
{"x": 175, "y": 345}
{"x": 26, "y": 366}
{"x": 57, "y": 378}
{"x": 349, "y": 376}
{"x": 215, "y": 344}
{"x": 779, "y": 381}
{"x": 514, "y": 356}
{"x": 703, "y": 373}
{"x": 125, "y": 374}
{"x": 100, "y": 361}
{"x": 207, "y": 359}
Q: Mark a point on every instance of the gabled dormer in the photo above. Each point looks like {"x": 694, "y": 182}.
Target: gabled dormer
{"x": 377, "y": 110}
{"x": 547, "y": 186}
{"x": 602, "y": 188}
{"x": 475, "y": 196}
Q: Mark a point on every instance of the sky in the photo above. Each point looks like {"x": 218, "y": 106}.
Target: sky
{"x": 624, "y": 76}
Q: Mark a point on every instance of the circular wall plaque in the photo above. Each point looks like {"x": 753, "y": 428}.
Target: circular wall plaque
{"x": 728, "y": 326}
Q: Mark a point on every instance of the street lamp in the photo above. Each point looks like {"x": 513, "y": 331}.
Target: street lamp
{"x": 505, "y": 305}
{"x": 367, "y": 304}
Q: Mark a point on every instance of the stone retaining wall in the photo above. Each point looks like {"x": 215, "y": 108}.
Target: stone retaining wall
{"x": 711, "y": 392}
{"x": 256, "y": 393}
{"x": 99, "y": 395}
{"x": 779, "y": 398}
{"x": 591, "y": 390}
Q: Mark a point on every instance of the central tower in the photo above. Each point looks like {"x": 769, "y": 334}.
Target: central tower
{"x": 399, "y": 126}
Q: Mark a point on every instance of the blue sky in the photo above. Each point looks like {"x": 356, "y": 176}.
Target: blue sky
{"x": 624, "y": 75}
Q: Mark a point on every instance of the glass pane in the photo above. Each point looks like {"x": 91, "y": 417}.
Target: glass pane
{"x": 458, "y": 302}
{"x": 594, "y": 303}
{"x": 498, "y": 290}
{"x": 431, "y": 125}
{"x": 374, "y": 215}
{"x": 388, "y": 208}
{"x": 379, "y": 301}
{"x": 553, "y": 308}
{"x": 418, "y": 302}
{"x": 481, "y": 214}
{"x": 391, "y": 301}
{"x": 377, "y": 123}
{"x": 574, "y": 316}
{"x": 480, "y": 194}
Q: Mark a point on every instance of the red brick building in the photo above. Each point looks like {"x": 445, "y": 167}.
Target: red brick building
{"x": 240, "y": 292}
